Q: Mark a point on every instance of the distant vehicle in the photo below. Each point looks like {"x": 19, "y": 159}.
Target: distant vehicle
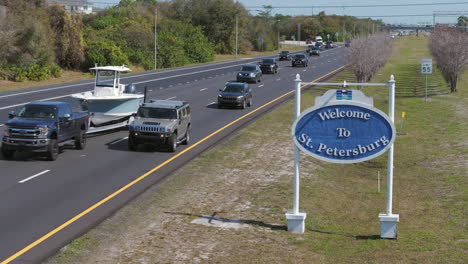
{"x": 160, "y": 122}
{"x": 308, "y": 41}
{"x": 249, "y": 73}
{"x": 319, "y": 45}
{"x": 313, "y": 50}
{"x": 300, "y": 59}
{"x": 269, "y": 66}
{"x": 44, "y": 127}
{"x": 318, "y": 39}
{"x": 329, "y": 44}
{"x": 284, "y": 55}
{"x": 235, "y": 94}
{"x": 348, "y": 43}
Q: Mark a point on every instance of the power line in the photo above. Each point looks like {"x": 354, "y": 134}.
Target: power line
{"x": 361, "y": 6}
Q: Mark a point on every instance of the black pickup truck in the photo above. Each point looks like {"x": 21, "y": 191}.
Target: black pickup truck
{"x": 44, "y": 127}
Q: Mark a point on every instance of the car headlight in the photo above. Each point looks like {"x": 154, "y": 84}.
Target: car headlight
{"x": 6, "y": 132}
{"x": 239, "y": 74}
{"x": 220, "y": 96}
{"x": 43, "y": 131}
{"x": 252, "y": 74}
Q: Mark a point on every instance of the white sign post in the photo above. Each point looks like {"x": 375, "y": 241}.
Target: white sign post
{"x": 295, "y": 218}
{"x": 426, "y": 69}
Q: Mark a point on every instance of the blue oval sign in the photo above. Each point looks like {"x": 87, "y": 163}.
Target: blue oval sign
{"x": 347, "y": 132}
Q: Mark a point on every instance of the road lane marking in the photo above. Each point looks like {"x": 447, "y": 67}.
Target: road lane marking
{"x": 211, "y": 103}
{"x": 261, "y": 85}
{"x": 201, "y": 90}
{"x": 2, "y": 125}
{"x": 34, "y": 176}
{"x": 304, "y": 70}
{"x": 278, "y": 79}
{"x": 118, "y": 140}
{"x": 170, "y": 98}
{"x": 82, "y": 156}
{"x": 135, "y": 181}
{"x": 46, "y": 99}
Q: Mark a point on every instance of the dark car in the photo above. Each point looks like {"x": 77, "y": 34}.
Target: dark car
{"x": 249, "y": 73}
{"x": 269, "y": 66}
{"x": 300, "y": 59}
{"x": 319, "y": 45}
{"x": 313, "y": 50}
{"x": 284, "y": 55}
{"x": 348, "y": 43}
{"x": 44, "y": 127}
{"x": 235, "y": 94}
{"x": 329, "y": 45}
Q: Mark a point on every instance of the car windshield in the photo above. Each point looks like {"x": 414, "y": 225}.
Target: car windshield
{"x": 38, "y": 111}
{"x": 268, "y": 61}
{"x": 299, "y": 56}
{"x": 159, "y": 113}
{"x": 233, "y": 88}
{"x": 248, "y": 68}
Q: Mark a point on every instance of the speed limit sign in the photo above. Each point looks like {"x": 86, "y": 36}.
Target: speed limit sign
{"x": 426, "y": 66}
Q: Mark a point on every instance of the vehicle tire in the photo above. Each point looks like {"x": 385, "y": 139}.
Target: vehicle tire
{"x": 52, "y": 150}
{"x": 80, "y": 141}
{"x": 259, "y": 79}
{"x": 132, "y": 145}
{"x": 8, "y": 154}
{"x": 292, "y": 65}
{"x": 187, "y": 137}
{"x": 243, "y": 104}
{"x": 172, "y": 142}
{"x": 250, "y": 103}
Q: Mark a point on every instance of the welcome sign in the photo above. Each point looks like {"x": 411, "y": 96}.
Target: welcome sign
{"x": 343, "y": 127}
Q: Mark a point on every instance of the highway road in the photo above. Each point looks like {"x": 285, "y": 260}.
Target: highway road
{"x": 44, "y": 205}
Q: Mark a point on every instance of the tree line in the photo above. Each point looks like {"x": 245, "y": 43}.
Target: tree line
{"x": 40, "y": 40}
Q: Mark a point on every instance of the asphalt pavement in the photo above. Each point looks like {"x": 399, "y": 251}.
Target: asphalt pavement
{"x": 44, "y": 205}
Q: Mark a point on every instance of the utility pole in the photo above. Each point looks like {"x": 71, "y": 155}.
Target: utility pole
{"x": 155, "y": 39}
{"x": 299, "y": 32}
{"x": 236, "y": 34}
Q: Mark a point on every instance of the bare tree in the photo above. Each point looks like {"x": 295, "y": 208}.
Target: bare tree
{"x": 449, "y": 47}
{"x": 368, "y": 54}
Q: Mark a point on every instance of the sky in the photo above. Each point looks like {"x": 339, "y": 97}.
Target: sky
{"x": 306, "y": 9}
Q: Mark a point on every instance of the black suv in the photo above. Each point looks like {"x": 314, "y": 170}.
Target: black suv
{"x": 300, "y": 59}
{"x": 235, "y": 94}
{"x": 269, "y": 66}
{"x": 313, "y": 50}
{"x": 329, "y": 44}
{"x": 249, "y": 73}
{"x": 284, "y": 55}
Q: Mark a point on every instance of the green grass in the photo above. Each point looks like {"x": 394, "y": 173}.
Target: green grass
{"x": 254, "y": 167}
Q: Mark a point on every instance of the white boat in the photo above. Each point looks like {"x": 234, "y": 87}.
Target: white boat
{"x": 110, "y": 103}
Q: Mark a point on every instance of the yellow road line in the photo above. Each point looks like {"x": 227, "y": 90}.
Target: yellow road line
{"x": 75, "y": 218}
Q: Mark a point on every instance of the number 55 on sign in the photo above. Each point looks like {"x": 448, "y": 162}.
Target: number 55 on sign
{"x": 426, "y": 66}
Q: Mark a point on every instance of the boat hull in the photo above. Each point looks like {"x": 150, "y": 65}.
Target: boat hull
{"x": 108, "y": 110}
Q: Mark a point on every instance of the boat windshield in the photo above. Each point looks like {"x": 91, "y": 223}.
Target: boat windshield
{"x": 38, "y": 112}
{"x": 105, "y": 78}
{"x": 159, "y": 113}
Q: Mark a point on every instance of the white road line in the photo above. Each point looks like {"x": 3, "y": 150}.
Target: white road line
{"x": 211, "y": 103}
{"x": 170, "y": 98}
{"x": 261, "y": 85}
{"x": 179, "y": 84}
{"x": 278, "y": 79}
{"x": 34, "y": 176}
{"x": 201, "y": 90}
{"x": 82, "y": 156}
{"x": 304, "y": 70}
{"x": 2, "y": 125}
{"x": 46, "y": 99}
{"x": 118, "y": 140}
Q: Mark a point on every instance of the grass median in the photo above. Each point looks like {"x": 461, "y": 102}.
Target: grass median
{"x": 228, "y": 205}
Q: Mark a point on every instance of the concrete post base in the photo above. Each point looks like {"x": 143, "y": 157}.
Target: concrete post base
{"x": 296, "y": 222}
{"x": 388, "y": 225}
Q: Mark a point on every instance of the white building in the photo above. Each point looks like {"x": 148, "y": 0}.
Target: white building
{"x": 75, "y": 6}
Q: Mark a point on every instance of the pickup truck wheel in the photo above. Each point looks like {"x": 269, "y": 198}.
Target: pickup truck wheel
{"x": 172, "y": 143}
{"x": 249, "y": 104}
{"x": 243, "y": 105}
{"x": 132, "y": 145}
{"x": 187, "y": 137}
{"x": 8, "y": 154}
{"x": 52, "y": 150}
{"x": 80, "y": 141}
